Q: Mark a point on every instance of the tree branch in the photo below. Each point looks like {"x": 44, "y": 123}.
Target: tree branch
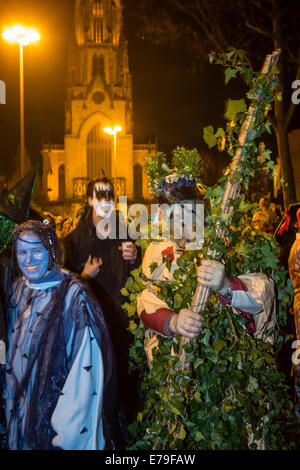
{"x": 273, "y": 121}
{"x": 260, "y": 7}
{"x": 286, "y": 8}
{"x": 205, "y": 22}
{"x": 188, "y": 11}
{"x": 292, "y": 57}
{"x": 260, "y": 31}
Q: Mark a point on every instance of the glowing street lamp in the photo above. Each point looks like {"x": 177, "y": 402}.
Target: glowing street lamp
{"x": 23, "y": 36}
{"x": 113, "y": 131}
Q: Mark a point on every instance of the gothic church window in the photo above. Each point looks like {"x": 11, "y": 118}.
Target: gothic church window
{"x": 84, "y": 16}
{"x": 113, "y": 17}
{"x": 137, "y": 181}
{"x": 98, "y": 97}
{"x": 98, "y": 31}
{"x": 99, "y": 152}
{"x": 98, "y": 21}
{"x": 98, "y": 66}
{"x": 61, "y": 182}
{"x": 98, "y": 8}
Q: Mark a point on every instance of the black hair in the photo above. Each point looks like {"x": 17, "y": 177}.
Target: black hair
{"x": 103, "y": 180}
{"x": 180, "y": 192}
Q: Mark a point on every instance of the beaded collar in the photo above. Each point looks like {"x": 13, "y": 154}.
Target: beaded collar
{"x": 30, "y": 242}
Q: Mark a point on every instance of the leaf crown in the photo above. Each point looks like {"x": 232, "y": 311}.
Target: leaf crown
{"x": 181, "y": 182}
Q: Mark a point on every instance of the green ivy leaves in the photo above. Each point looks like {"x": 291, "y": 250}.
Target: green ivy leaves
{"x": 234, "y": 108}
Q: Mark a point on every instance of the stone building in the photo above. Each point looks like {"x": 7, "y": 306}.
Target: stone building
{"x": 99, "y": 95}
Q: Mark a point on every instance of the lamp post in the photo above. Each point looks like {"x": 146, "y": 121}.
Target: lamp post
{"x": 113, "y": 131}
{"x": 23, "y": 36}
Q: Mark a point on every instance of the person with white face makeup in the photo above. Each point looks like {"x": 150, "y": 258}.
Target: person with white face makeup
{"x": 60, "y": 376}
{"x": 103, "y": 259}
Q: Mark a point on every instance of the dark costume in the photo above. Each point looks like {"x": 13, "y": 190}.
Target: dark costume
{"x": 285, "y": 233}
{"x": 294, "y": 270}
{"x": 106, "y": 286}
{"x": 14, "y": 208}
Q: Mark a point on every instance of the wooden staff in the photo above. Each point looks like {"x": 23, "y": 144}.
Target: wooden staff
{"x": 232, "y": 190}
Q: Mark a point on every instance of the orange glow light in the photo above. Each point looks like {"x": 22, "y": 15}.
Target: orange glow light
{"x": 113, "y": 131}
{"x": 21, "y": 35}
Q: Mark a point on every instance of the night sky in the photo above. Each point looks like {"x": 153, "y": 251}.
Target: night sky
{"x": 168, "y": 100}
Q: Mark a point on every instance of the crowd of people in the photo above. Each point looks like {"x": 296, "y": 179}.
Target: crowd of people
{"x": 267, "y": 217}
{"x": 66, "y": 383}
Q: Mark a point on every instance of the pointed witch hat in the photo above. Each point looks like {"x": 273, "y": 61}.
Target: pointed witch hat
{"x": 15, "y": 204}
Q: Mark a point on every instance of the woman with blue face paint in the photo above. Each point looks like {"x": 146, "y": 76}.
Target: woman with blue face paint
{"x": 59, "y": 367}
{"x": 32, "y": 256}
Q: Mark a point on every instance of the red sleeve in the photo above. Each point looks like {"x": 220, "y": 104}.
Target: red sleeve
{"x": 155, "y": 321}
{"x": 238, "y": 284}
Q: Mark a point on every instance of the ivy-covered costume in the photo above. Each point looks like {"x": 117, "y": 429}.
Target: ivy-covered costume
{"x": 219, "y": 388}
{"x": 59, "y": 372}
{"x": 252, "y": 295}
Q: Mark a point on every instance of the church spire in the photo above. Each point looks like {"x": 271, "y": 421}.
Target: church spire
{"x": 98, "y": 22}
{"x": 98, "y": 69}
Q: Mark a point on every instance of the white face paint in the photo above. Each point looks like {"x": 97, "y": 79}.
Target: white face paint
{"x": 102, "y": 201}
{"x": 184, "y": 224}
{"x": 103, "y": 208}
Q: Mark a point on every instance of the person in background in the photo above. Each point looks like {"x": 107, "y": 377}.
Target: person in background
{"x": 104, "y": 260}
{"x": 285, "y": 232}
{"x": 14, "y": 208}
{"x": 67, "y": 227}
{"x": 261, "y": 221}
{"x": 50, "y": 218}
{"x": 59, "y": 221}
{"x": 294, "y": 271}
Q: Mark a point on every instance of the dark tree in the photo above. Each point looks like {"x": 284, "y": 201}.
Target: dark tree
{"x": 258, "y": 26}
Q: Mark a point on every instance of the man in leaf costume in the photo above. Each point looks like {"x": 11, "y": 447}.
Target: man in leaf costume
{"x": 223, "y": 390}
{"x": 231, "y": 394}
{"x": 252, "y": 295}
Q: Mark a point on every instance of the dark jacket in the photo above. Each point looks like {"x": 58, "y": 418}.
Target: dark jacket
{"x": 112, "y": 276}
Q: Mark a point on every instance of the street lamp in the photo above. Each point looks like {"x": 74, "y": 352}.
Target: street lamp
{"x": 113, "y": 131}
{"x": 23, "y": 36}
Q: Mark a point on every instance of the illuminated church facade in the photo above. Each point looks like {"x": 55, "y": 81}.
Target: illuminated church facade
{"x": 99, "y": 95}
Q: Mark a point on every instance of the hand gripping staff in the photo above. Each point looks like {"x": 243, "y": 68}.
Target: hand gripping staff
{"x": 232, "y": 190}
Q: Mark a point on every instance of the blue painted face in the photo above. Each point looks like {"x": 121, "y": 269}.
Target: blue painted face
{"x": 32, "y": 256}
